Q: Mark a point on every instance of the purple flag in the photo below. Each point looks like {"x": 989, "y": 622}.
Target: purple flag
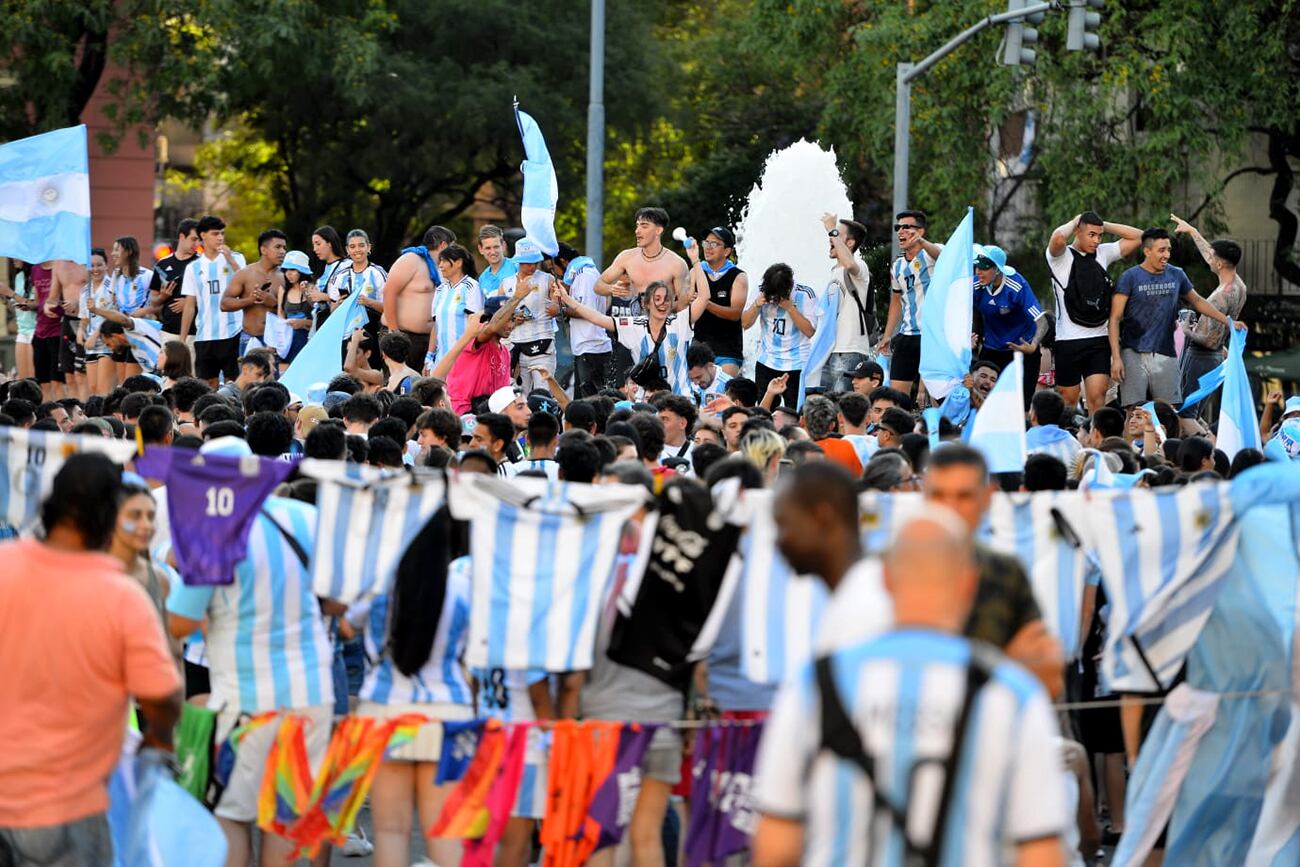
{"x": 722, "y": 812}
{"x": 212, "y": 502}
{"x": 612, "y": 806}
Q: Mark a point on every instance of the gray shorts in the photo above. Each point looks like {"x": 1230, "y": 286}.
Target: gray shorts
{"x": 663, "y": 762}
{"x": 1149, "y": 373}
{"x": 83, "y": 843}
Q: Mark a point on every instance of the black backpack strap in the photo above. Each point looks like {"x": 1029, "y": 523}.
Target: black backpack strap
{"x": 299, "y": 551}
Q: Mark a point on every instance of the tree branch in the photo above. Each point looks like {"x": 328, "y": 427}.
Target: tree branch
{"x": 1247, "y": 170}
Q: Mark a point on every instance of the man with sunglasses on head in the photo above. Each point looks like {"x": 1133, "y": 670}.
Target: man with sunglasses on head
{"x": 909, "y": 278}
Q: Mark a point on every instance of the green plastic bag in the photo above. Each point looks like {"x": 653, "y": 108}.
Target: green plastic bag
{"x": 194, "y": 749}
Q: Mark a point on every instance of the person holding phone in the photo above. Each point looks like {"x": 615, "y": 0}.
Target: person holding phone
{"x": 256, "y": 288}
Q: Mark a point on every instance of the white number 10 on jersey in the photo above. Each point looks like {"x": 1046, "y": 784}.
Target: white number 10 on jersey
{"x": 221, "y": 502}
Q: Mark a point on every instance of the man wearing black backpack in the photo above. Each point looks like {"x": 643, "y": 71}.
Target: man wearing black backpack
{"x": 1083, "y": 292}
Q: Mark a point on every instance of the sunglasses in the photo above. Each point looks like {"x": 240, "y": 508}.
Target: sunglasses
{"x": 983, "y": 264}
{"x": 898, "y": 227}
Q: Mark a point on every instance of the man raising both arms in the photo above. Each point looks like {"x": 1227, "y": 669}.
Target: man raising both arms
{"x": 909, "y": 278}
{"x": 633, "y": 270}
{"x": 1082, "y": 291}
{"x": 408, "y": 294}
{"x": 256, "y": 289}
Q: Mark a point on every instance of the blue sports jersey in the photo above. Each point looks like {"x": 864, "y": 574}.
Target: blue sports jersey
{"x": 491, "y": 283}
{"x": 441, "y": 679}
{"x": 145, "y": 337}
{"x": 370, "y": 282}
{"x": 452, "y": 305}
{"x": 206, "y": 280}
{"x": 634, "y": 333}
{"x": 212, "y": 502}
{"x": 910, "y": 281}
{"x": 1009, "y": 314}
{"x": 781, "y": 345}
{"x": 715, "y": 390}
{"x": 131, "y": 293}
{"x": 100, "y": 296}
{"x": 266, "y": 643}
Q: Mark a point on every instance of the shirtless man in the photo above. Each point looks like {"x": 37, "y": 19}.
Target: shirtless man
{"x": 633, "y": 270}
{"x": 408, "y": 294}
{"x": 68, "y": 280}
{"x": 255, "y": 288}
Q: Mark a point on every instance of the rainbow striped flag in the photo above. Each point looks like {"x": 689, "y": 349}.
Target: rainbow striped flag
{"x": 465, "y": 814}
{"x": 286, "y": 782}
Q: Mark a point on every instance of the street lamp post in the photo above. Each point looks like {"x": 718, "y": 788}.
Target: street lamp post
{"x": 596, "y": 136}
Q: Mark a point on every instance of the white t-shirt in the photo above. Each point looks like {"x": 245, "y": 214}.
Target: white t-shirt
{"x": 585, "y": 338}
{"x": 849, "y": 333}
{"x": 1061, "y": 267}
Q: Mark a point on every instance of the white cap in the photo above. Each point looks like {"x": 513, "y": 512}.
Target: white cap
{"x": 502, "y": 398}
{"x": 1292, "y": 406}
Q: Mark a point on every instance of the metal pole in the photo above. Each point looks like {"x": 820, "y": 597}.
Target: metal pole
{"x": 902, "y": 140}
{"x": 596, "y": 137}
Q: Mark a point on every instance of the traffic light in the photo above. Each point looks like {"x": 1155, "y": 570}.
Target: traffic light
{"x": 1083, "y": 25}
{"x": 1020, "y": 36}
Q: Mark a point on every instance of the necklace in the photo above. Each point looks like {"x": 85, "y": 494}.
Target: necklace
{"x": 662, "y": 250}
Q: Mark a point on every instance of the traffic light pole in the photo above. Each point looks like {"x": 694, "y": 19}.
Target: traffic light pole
{"x": 909, "y": 72}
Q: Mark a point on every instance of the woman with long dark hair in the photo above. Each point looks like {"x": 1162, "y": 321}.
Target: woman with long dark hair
{"x": 328, "y": 247}
{"x": 131, "y": 295}
{"x": 295, "y": 303}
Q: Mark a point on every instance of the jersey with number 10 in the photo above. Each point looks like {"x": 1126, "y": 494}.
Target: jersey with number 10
{"x": 212, "y": 502}
{"x": 781, "y": 344}
{"x": 205, "y": 281}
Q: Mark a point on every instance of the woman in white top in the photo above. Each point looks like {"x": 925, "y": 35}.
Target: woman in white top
{"x": 97, "y": 293}
{"x": 366, "y": 278}
{"x": 22, "y": 296}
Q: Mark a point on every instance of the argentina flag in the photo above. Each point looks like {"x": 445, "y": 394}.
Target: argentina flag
{"x": 999, "y": 429}
{"x": 946, "y": 313}
{"x": 45, "y": 197}
{"x": 321, "y": 359}
{"x": 1238, "y": 424}
{"x": 541, "y": 190}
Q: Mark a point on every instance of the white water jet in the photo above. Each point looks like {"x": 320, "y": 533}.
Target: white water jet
{"x": 782, "y": 221}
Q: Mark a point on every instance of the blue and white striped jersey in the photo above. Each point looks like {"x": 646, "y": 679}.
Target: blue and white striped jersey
{"x": 903, "y": 692}
{"x": 131, "y": 293}
{"x": 451, "y": 308}
{"x": 781, "y": 345}
{"x": 100, "y": 296}
{"x": 145, "y": 337}
{"x": 714, "y": 390}
{"x": 441, "y": 679}
{"x": 503, "y": 693}
{"x": 328, "y": 282}
{"x": 543, "y": 465}
{"x": 206, "y": 281}
{"x": 634, "y": 333}
{"x": 910, "y": 281}
{"x": 267, "y": 646}
{"x": 538, "y": 323}
{"x": 370, "y": 283}
{"x": 864, "y": 444}
{"x": 29, "y": 461}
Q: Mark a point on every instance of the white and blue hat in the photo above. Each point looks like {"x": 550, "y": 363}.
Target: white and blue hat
{"x": 527, "y": 252}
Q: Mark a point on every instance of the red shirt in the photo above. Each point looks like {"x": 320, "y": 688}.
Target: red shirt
{"x": 46, "y": 326}
{"x": 842, "y": 452}
{"x": 480, "y": 369}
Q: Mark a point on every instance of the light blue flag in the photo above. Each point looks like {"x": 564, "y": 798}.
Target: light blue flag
{"x": 45, "y": 197}
{"x": 1238, "y": 424}
{"x": 541, "y": 190}
{"x": 999, "y": 429}
{"x": 932, "y": 415}
{"x": 946, "y": 313}
{"x": 1205, "y": 386}
{"x": 823, "y": 341}
{"x": 322, "y": 358}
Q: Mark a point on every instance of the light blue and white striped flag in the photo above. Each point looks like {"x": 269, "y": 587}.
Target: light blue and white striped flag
{"x": 1163, "y": 554}
{"x": 1238, "y": 424}
{"x": 543, "y": 554}
{"x": 823, "y": 341}
{"x": 322, "y": 358}
{"x": 30, "y": 460}
{"x": 999, "y": 429}
{"x": 946, "y": 313}
{"x": 779, "y": 610}
{"x": 367, "y": 519}
{"x": 45, "y": 197}
{"x": 541, "y": 190}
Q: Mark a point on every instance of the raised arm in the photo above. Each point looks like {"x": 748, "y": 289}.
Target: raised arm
{"x": 843, "y": 255}
{"x": 1182, "y": 227}
{"x": 580, "y": 310}
{"x": 803, "y": 323}
{"x": 1129, "y": 237}
{"x": 1061, "y": 237}
{"x": 355, "y": 365}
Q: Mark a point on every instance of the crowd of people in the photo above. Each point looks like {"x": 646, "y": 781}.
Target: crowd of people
{"x": 457, "y": 361}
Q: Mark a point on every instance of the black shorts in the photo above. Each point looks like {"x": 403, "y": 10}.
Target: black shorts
{"x": 905, "y": 358}
{"x": 72, "y": 358}
{"x": 217, "y": 357}
{"x": 123, "y": 356}
{"x": 45, "y": 358}
{"x": 1076, "y": 360}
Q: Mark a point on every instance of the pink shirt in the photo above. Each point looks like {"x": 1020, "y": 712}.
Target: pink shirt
{"x": 77, "y": 637}
{"x": 480, "y": 369}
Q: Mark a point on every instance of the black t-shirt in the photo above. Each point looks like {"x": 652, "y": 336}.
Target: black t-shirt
{"x": 724, "y": 336}
{"x": 170, "y": 270}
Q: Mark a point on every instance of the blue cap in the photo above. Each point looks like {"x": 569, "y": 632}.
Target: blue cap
{"x": 493, "y": 304}
{"x": 296, "y": 260}
{"x": 527, "y": 252}
{"x": 1292, "y": 405}
{"x": 997, "y": 256}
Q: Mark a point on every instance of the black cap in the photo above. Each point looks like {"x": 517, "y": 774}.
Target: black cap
{"x": 544, "y": 403}
{"x": 724, "y": 234}
{"x": 867, "y": 370}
